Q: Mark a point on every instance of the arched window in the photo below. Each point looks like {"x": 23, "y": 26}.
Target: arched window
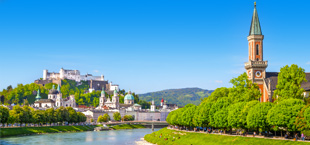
{"x": 257, "y": 50}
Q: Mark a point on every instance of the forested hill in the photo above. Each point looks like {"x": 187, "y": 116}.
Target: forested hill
{"x": 181, "y": 97}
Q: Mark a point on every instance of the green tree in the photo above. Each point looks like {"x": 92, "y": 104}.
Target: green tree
{"x": 26, "y": 115}
{"x": 234, "y": 115}
{"x": 81, "y": 117}
{"x": 289, "y": 82}
{"x": 220, "y": 118}
{"x": 106, "y": 117}
{"x": 17, "y": 114}
{"x": 50, "y": 115}
{"x": 39, "y": 117}
{"x": 218, "y": 93}
{"x": 4, "y": 115}
{"x": 117, "y": 116}
{"x": 188, "y": 115}
{"x": 301, "y": 123}
{"x": 201, "y": 116}
{"x": 284, "y": 113}
{"x": 245, "y": 112}
{"x": 218, "y": 105}
{"x": 257, "y": 116}
{"x": 73, "y": 118}
{"x": 307, "y": 116}
{"x": 243, "y": 89}
{"x": 62, "y": 114}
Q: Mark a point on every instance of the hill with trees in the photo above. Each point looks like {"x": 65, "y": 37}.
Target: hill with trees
{"x": 181, "y": 97}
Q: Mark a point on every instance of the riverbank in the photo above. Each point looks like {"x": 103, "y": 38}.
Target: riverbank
{"x": 19, "y": 131}
{"x": 171, "y": 137}
{"x": 127, "y": 126}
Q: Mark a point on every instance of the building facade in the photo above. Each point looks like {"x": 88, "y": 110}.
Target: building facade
{"x": 256, "y": 65}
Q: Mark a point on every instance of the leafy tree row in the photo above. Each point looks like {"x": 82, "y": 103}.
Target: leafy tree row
{"x": 26, "y": 115}
{"x": 238, "y": 107}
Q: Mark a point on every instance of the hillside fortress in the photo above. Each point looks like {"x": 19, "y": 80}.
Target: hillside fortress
{"x": 95, "y": 82}
{"x": 256, "y": 66}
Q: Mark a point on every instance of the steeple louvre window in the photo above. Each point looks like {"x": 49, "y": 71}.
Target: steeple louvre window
{"x": 257, "y": 49}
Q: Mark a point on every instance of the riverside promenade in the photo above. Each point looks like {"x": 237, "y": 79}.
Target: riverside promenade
{"x": 251, "y": 136}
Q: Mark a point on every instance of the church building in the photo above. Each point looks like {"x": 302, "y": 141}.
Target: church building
{"x": 256, "y": 66}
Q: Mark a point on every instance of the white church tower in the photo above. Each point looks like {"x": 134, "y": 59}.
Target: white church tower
{"x": 153, "y": 106}
{"x": 102, "y": 98}
{"x": 115, "y": 99}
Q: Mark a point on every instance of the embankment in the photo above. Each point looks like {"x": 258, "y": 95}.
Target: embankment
{"x": 19, "y": 131}
{"x": 173, "y": 137}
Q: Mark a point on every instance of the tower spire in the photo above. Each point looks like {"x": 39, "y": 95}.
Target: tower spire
{"x": 255, "y": 28}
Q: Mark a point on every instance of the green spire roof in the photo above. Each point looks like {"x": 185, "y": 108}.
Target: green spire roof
{"x": 255, "y": 25}
{"x": 53, "y": 87}
{"x": 58, "y": 88}
{"x": 38, "y": 97}
{"x": 115, "y": 92}
{"x": 102, "y": 92}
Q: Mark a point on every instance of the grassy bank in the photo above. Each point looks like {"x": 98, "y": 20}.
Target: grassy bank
{"x": 127, "y": 126}
{"x": 182, "y": 138}
{"x": 6, "y": 132}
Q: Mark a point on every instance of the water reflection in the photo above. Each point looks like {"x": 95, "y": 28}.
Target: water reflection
{"x": 113, "y": 137}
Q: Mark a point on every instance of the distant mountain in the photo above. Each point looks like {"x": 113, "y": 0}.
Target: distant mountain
{"x": 181, "y": 97}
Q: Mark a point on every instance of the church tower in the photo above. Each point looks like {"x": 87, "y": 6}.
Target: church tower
{"x": 256, "y": 66}
{"x": 102, "y": 98}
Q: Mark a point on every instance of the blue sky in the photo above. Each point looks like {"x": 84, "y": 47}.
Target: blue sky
{"x": 147, "y": 45}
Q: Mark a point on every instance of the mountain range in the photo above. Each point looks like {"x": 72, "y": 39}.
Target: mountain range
{"x": 181, "y": 97}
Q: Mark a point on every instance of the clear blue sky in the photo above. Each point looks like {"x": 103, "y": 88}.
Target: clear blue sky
{"x": 148, "y": 45}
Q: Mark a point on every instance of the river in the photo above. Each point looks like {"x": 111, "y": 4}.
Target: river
{"x": 112, "y": 137}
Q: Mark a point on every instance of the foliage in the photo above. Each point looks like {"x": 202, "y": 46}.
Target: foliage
{"x": 6, "y": 132}
{"x": 218, "y": 93}
{"x": 307, "y": 116}
{"x": 21, "y": 92}
{"x": 234, "y": 115}
{"x": 257, "y": 117}
{"x": 4, "y": 114}
{"x": 220, "y": 103}
{"x": 284, "y": 113}
{"x": 202, "y": 114}
{"x": 28, "y": 115}
{"x": 117, "y": 116}
{"x": 103, "y": 118}
{"x": 128, "y": 118}
{"x": 127, "y": 126}
{"x": 181, "y": 97}
{"x": 289, "y": 82}
{"x": 188, "y": 115}
{"x": 243, "y": 89}
{"x": 144, "y": 104}
{"x": 245, "y": 112}
{"x": 301, "y": 123}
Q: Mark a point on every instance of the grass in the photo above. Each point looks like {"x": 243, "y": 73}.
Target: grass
{"x": 6, "y": 132}
{"x": 186, "y": 138}
{"x": 127, "y": 126}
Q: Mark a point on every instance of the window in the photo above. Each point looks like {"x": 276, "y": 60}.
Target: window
{"x": 257, "y": 50}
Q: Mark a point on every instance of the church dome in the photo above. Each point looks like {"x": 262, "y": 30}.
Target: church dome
{"x": 129, "y": 96}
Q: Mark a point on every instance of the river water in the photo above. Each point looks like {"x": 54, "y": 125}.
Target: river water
{"x": 112, "y": 137}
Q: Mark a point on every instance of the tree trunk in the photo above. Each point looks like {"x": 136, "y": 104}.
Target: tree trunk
{"x": 281, "y": 134}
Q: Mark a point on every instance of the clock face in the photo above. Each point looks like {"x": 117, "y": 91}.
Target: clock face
{"x": 258, "y": 74}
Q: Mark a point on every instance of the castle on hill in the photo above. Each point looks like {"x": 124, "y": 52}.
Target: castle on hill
{"x": 256, "y": 66}
{"x": 95, "y": 82}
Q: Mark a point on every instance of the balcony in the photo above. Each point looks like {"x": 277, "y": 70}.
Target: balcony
{"x": 256, "y": 64}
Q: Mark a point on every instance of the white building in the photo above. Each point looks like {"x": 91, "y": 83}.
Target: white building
{"x": 70, "y": 75}
{"x": 107, "y": 102}
{"x": 54, "y": 99}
